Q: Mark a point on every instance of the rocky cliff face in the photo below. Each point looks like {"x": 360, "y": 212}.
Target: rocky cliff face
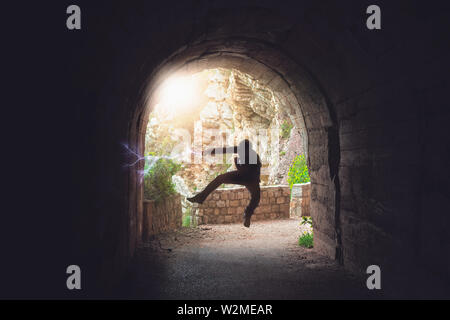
{"x": 234, "y": 106}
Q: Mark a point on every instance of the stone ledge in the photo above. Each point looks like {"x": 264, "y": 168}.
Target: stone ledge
{"x": 161, "y": 216}
{"x": 227, "y": 205}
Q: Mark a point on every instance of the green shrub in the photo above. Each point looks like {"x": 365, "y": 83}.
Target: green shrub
{"x": 306, "y": 240}
{"x": 286, "y": 128}
{"x": 158, "y": 179}
{"x": 186, "y": 220}
{"x": 298, "y": 172}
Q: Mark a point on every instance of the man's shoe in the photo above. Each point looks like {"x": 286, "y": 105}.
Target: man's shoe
{"x": 247, "y": 221}
{"x": 196, "y": 199}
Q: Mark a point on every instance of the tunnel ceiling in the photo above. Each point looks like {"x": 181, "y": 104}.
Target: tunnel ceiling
{"x": 372, "y": 105}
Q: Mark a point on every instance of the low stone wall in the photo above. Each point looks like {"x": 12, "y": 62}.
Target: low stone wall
{"x": 300, "y": 200}
{"x": 228, "y": 205}
{"x": 162, "y": 216}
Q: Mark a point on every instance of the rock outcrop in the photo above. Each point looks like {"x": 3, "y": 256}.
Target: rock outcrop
{"x": 237, "y": 107}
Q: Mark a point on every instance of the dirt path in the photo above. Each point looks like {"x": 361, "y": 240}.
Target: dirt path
{"x": 233, "y": 262}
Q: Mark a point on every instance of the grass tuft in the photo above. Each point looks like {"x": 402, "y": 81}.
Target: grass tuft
{"x": 306, "y": 240}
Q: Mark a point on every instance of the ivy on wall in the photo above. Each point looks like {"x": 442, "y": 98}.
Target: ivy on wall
{"x": 298, "y": 172}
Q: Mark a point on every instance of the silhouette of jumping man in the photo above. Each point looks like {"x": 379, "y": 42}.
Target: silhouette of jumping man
{"x": 248, "y": 165}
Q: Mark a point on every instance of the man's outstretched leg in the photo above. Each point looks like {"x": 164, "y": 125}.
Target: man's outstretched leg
{"x": 255, "y": 193}
{"x": 231, "y": 177}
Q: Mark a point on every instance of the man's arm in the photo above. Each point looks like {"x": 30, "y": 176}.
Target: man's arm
{"x": 213, "y": 151}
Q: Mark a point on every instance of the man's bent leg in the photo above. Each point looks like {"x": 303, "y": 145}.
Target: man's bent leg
{"x": 231, "y": 177}
{"x": 255, "y": 193}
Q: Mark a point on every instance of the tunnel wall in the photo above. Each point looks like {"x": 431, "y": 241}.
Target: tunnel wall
{"x": 300, "y": 205}
{"x": 378, "y": 146}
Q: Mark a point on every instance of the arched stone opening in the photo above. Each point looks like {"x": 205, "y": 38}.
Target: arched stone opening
{"x": 385, "y": 138}
{"x": 383, "y": 128}
{"x": 297, "y": 90}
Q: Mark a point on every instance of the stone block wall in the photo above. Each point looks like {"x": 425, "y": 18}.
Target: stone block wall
{"x": 228, "y": 205}
{"x": 301, "y": 200}
{"x": 162, "y": 216}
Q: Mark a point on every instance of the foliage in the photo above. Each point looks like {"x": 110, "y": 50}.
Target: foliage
{"x": 298, "y": 172}
{"x": 186, "y": 221}
{"x": 282, "y": 153}
{"x": 286, "y": 128}
{"x": 306, "y": 240}
{"x": 189, "y": 221}
{"x": 307, "y": 237}
{"x": 306, "y": 220}
{"x": 163, "y": 146}
{"x": 158, "y": 183}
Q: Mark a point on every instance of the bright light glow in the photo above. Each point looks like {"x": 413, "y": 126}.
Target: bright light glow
{"x": 177, "y": 94}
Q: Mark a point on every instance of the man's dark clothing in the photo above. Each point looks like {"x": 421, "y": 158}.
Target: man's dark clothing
{"x": 247, "y": 174}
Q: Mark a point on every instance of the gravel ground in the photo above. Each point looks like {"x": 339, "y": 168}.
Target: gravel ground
{"x": 233, "y": 262}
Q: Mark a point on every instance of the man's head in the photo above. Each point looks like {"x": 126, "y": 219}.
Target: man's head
{"x": 246, "y": 153}
{"x": 245, "y": 145}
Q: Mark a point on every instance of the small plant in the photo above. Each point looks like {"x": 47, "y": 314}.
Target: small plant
{"x": 286, "y": 128}
{"x": 306, "y": 240}
{"x": 307, "y": 237}
{"x": 187, "y": 217}
{"x": 282, "y": 153}
{"x": 298, "y": 172}
{"x": 158, "y": 183}
{"x": 306, "y": 220}
{"x": 186, "y": 221}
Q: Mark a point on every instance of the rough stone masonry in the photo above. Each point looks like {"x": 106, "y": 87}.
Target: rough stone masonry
{"x": 161, "y": 216}
{"x": 300, "y": 200}
{"x": 228, "y": 205}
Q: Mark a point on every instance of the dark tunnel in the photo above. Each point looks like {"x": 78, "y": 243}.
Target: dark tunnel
{"x": 374, "y": 105}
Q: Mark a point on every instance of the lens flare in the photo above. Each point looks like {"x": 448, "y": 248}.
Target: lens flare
{"x": 177, "y": 94}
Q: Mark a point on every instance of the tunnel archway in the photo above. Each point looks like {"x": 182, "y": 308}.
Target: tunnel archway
{"x": 381, "y": 118}
{"x": 379, "y": 112}
{"x": 292, "y": 85}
